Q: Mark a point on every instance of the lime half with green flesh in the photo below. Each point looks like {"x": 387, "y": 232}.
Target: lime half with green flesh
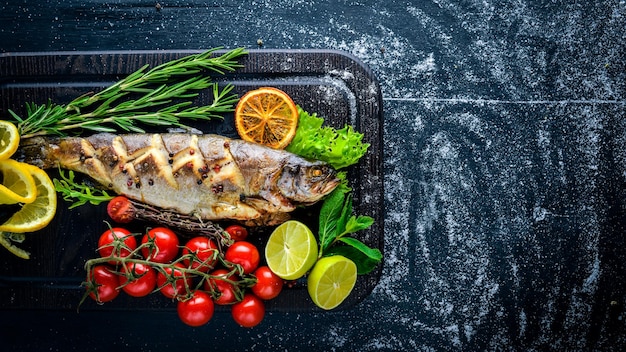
{"x": 291, "y": 250}
{"x": 331, "y": 281}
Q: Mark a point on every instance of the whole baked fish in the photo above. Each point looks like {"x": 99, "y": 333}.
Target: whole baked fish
{"x": 207, "y": 176}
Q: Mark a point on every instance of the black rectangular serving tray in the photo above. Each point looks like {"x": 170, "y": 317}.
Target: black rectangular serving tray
{"x": 335, "y": 85}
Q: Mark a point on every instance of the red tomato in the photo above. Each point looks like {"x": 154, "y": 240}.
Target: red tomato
{"x": 197, "y": 310}
{"x": 237, "y": 232}
{"x": 106, "y": 245}
{"x": 226, "y": 289}
{"x": 121, "y": 210}
{"x": 245, "y": 254}
{"x": 165, "y": 245}
{"x": 177, "y": 288}
{"x": 107, "y": 283}
{"x": 206, "y": 251}
{"x": 144, "y": 282}
{"x": 249, "y": 312}
{"x": 268, "y": 285}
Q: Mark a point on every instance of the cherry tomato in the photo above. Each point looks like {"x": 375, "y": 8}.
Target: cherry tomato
{"x": 106, "y": 247}
{"x": 107, "y": 283}
{"x": 237, "y": 232}
{"x": 121, "y": 210}
{"x": 165, "y": 245}
{"x": 197, "y": 310}
{"x": 177, "y": 288}
{"x": 226, "y": 289}
{"x": 143, "y": 284}
{"x": 249, "y": 312}
{"x": 205, "y": 249}
{"x": 268, "y": 285}
{"x": 245, "y": 254}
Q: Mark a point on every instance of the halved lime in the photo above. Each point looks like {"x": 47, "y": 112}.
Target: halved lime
{"x": 331, "y": 281}
{"x": 291, "y": 250}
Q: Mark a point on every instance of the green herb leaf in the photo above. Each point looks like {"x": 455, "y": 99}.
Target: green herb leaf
{"x": 358, "y": 223}
{"x": 79, "y": 194}
{"x": 329, "y": 215}
{"x": 365, "y": 258}
{"x": 336, "y": 223}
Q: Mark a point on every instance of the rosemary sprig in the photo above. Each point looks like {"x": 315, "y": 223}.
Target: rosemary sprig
{"x": 151, "y": 97}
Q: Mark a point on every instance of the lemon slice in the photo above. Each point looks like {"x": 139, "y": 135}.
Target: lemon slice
{"x": 6, "y": 242}
{"x": 9, "y": 139}
{"x": 291, "y": 250}
{"x": 18, "y": 185}
{"x": 331, "y": 281}
{"x": 36, "y": 215}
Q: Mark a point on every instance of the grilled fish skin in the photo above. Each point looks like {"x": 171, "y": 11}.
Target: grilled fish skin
{"x": 208, "y": 176}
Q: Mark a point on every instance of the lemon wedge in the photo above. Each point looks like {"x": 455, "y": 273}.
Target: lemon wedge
{"x": 37, "y": 214}
{"x": 9, "y": 139}
{"x": 18, "y": 185}
{"x": 7, "y": 242}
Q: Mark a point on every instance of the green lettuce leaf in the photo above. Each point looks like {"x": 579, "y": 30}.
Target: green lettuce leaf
{"x": 338, "y": 147}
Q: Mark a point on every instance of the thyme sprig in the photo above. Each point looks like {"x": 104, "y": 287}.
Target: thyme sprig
{"x": 150, "y": 97}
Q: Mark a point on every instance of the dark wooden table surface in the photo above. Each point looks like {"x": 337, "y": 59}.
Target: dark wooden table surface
{"x": 504, "y": 157}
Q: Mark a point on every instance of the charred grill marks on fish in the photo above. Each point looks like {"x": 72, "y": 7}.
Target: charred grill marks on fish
{"x": 209, "y": 176}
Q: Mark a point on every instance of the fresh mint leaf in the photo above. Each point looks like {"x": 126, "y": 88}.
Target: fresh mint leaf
{"x": 365, "y": 258}
{"x": 329, "y": 216}
{"x": 358, "y": 223}
{"x": 346, "y": 213}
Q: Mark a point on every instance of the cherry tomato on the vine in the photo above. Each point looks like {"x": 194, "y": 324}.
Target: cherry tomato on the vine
{"x": 226, "y": 289}
{"x": 107, "y": 283}
{"x": 177, "y": 288}
{"x": 268, "y": 285}
{"x": 245, "y": 254}
{"x": 197, "y": 310}
{"x": 237, "y": 232}
{"x": 121, "y": 210}
{"x": 106, "y": 246}
{"x": 165, "y": 247}
{"x": 144, "y": 282}
{"x": 206, "y": 250}
{"x": 249, "y": 312}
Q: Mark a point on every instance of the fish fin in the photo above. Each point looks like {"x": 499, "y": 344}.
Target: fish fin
{"x": 277, "y": 202}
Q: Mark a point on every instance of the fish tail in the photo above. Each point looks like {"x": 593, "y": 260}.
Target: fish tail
{"x": 42, "y": 152}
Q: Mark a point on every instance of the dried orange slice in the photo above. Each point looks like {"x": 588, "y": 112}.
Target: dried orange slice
{"x": 267, "y": 116}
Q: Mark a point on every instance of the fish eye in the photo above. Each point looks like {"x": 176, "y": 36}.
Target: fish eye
{"x": 317, "y": 172}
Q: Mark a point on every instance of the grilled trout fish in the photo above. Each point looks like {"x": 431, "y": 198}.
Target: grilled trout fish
{"x": 207, "y": 176}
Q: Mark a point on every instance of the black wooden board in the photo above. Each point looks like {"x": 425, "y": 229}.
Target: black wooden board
{"x": 333, "y": 84}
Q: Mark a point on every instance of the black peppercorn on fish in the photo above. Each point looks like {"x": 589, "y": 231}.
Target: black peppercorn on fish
{"x": 208, "y": 176}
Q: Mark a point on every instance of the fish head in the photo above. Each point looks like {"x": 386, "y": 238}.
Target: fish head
{"x": 306, "y": 183}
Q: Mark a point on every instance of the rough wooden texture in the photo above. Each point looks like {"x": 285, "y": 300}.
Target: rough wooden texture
{"x": 503, "y": 155}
